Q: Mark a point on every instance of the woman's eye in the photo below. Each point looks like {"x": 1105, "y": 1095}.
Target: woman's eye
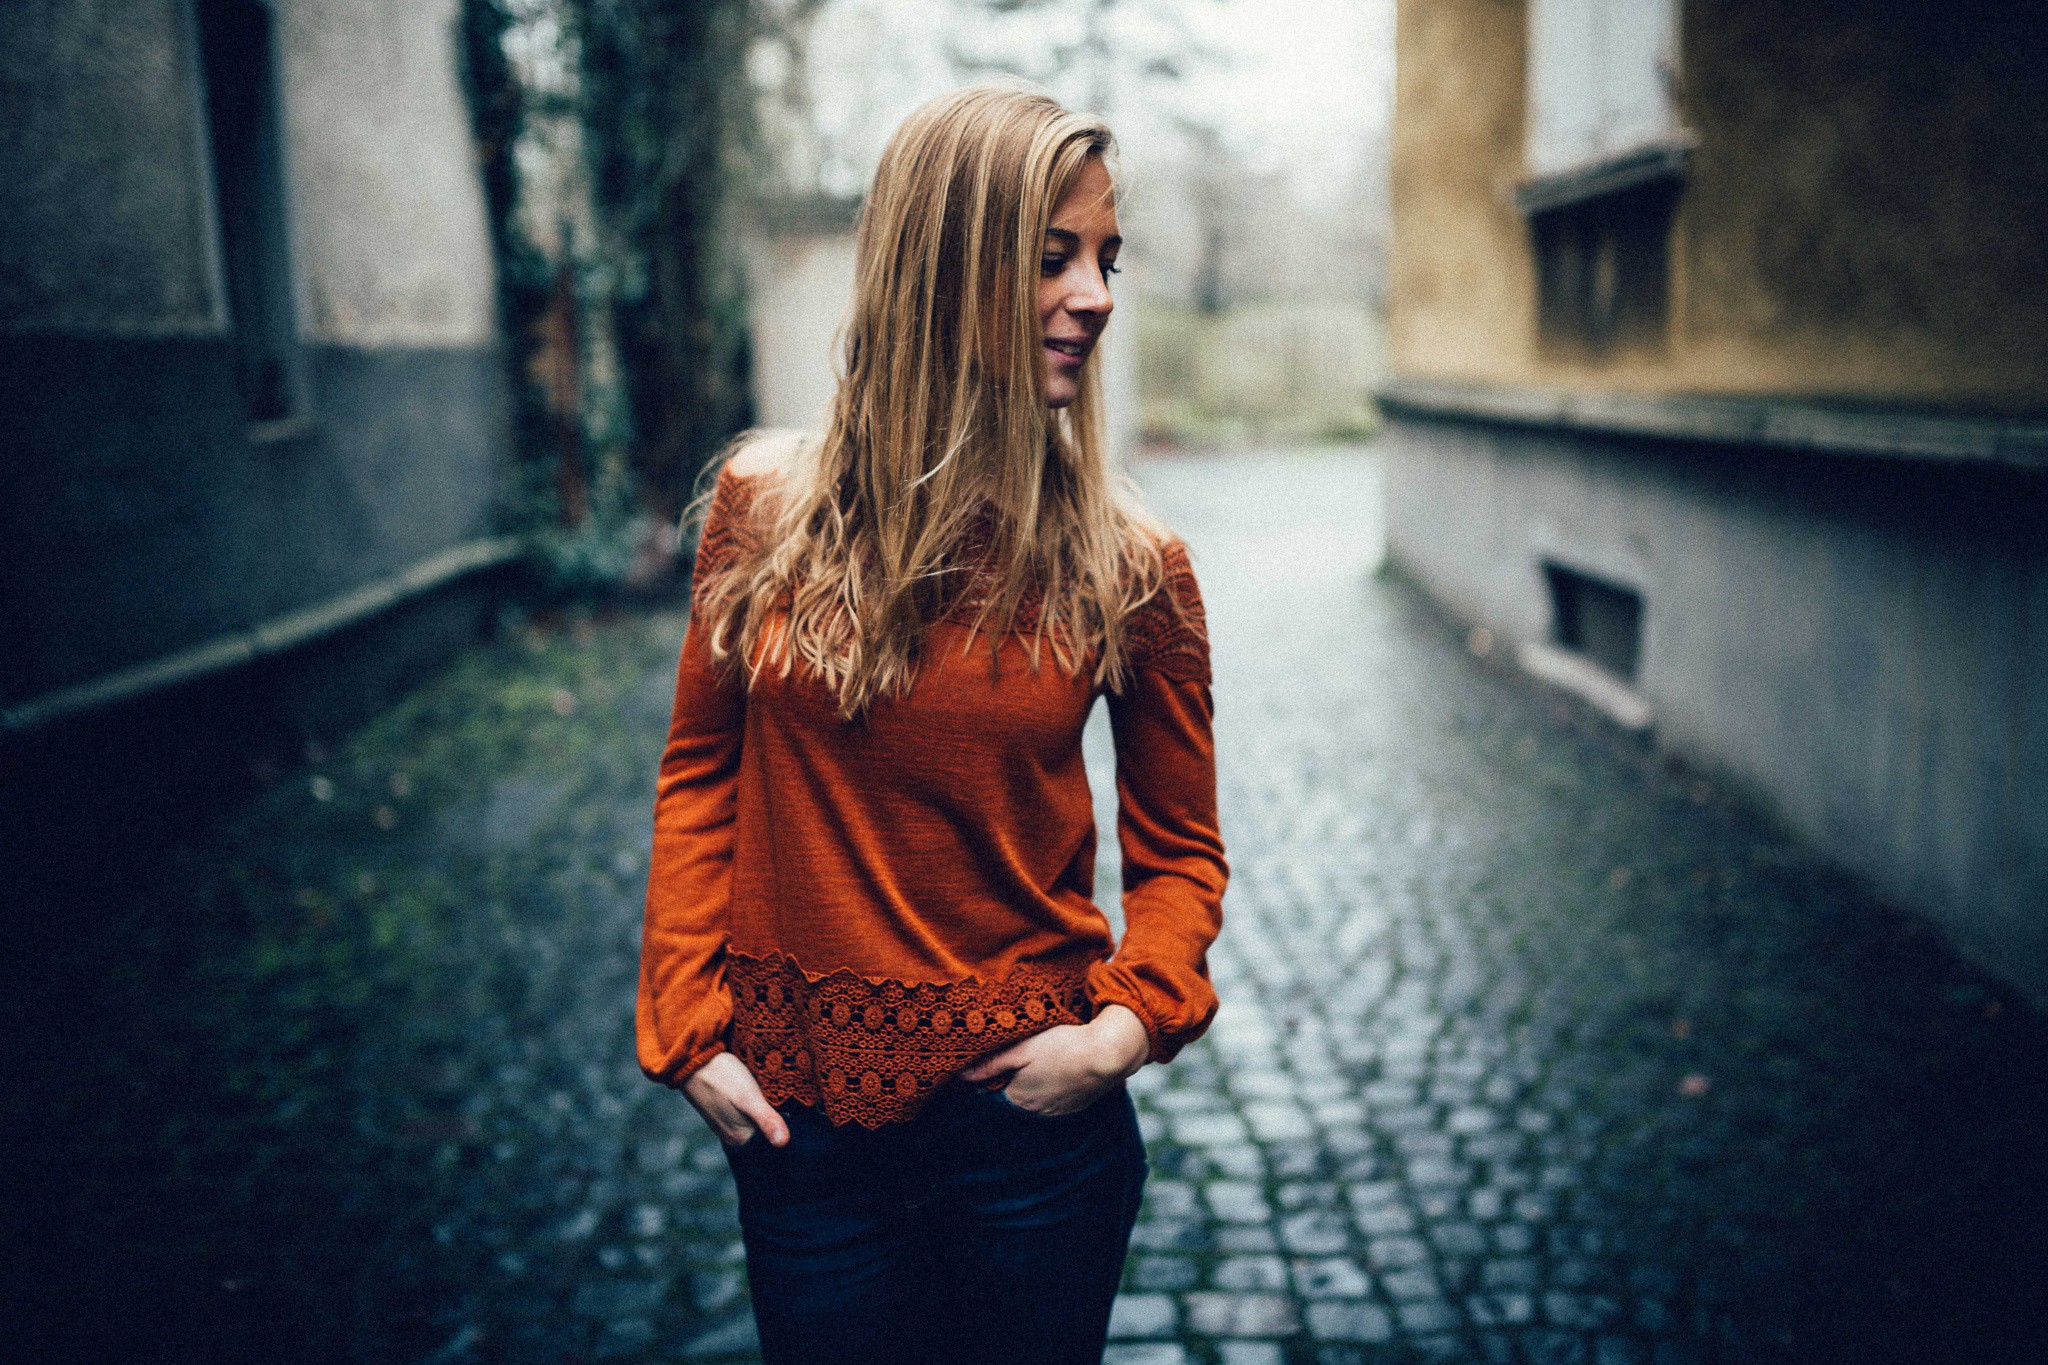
{"x": 1111, "y": 268}
{"x": 1052, "y": 265}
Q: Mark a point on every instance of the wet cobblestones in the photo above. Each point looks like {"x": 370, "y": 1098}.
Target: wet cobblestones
{"x": 1532, "y": 1048}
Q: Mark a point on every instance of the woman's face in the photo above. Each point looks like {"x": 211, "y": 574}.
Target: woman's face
{"x": 1081, "y": 246}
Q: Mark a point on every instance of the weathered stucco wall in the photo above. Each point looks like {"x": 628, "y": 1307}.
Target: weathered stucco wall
{"x": 1852, "y": 643}
{"x": 1862, "y": 217}
{"x": 1462, "y": 295}
{"x": 103, "y": 188}
{"x": 802, "y": 283}
{"x": 388, "y": 213}
{"x": 141, "y": 512}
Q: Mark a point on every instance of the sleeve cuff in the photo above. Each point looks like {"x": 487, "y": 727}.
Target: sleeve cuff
{"x": 1106, "y": 988}
{"x": 674, "y": 1074}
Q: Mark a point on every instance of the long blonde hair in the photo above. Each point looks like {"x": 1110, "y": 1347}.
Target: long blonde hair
{"x": 940, "y": 425}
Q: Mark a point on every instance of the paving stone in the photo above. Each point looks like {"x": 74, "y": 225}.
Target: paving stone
{"x": 1349, "y": 1320}
{"x": 1241, "y": 1315}
{"x": 1579, "y": 1310}
{"x": 1513, "y": 1272}
{"x": 1279, "y": 1122}
{"x": 1422, "y": 1316}
{"x": 1164, "y": 1272}
{"x": 734, "y": 1337}
{"x": 1171, "y": 1234}
{"x": 1330, "y": 1277}
{"x": 1307, "y": 1194}
{"x": 1240, "y": 1238}
{"x": 1458, "y": 1239}
{"x": 1485, "y": 1204}
{"x": 618, "y": 1298}
{"x": 1373, "y": 1194}
{"x": 1239, "y": 1161}
{"x": 1612, "y": 1350}
{"x": 1145, "y": 1353}
{"x": 1246, "y": 1273}
{"x": 1314, "y": 1232}
{"x": 1396, "y": 1253}
{"x": 1501, "y": 1310}
{"x": 1238, "y": 1201}
{"x": 1207, "y": 1129}
{"x": 1514, "y": 1238}
{"x": 1249, "y": 1353}
{"x": 1143, "y": 1315}
{"x": 1384, "y": 1221}
{"x": 1555, "y": 1348}
{"x": 1294, "y": 1160}
{"x": 1418, "y": 1282}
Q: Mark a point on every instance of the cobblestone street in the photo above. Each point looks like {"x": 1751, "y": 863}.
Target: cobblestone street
{"x": 1532, "y": 1047}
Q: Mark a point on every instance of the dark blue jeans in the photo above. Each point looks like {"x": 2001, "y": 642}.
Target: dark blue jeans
{"x": 974, "y": 1234}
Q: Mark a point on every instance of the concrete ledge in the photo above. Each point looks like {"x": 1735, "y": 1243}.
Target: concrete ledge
{"x": 1784, "y": 423}
{"x": 1588, "y": 682}
{"x": 263, "y": 640}
{"x": 1658, "y": 162}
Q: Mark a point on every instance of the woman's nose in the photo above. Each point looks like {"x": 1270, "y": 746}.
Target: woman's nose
{"x": 1090, "y": 295}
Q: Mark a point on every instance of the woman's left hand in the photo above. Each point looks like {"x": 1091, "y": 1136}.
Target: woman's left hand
{"x": 1067, "y": 1067}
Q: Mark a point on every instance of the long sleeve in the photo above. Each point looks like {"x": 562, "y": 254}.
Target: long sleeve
{"x": 684, "y": 1005}
{"x": 1174, "y": 869}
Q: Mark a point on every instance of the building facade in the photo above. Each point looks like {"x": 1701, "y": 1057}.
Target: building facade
{"x": 1718, "y": 399}
{"x": 255, "y": 408}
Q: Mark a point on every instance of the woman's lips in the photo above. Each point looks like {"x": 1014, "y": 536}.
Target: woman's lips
{"x": 1068, "y": 354}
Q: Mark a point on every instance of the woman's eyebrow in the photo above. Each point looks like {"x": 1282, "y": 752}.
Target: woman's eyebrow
{"x": 1073, "y": 239}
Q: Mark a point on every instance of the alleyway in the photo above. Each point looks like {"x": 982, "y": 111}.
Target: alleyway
{"x": 1531, "y": 1049}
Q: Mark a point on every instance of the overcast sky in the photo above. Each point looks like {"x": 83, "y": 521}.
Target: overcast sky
{"x": 1302, "y": 85}
{"x": 1306, "y": 79}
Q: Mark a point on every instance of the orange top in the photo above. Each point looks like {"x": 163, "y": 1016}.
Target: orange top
{"x": 861, "y": 910}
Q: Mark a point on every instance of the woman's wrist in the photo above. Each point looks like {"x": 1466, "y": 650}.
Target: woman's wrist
{"x": 1122, "y": 1043}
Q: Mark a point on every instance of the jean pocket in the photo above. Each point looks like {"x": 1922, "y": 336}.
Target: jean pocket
{"x": 1002, "y": 1096}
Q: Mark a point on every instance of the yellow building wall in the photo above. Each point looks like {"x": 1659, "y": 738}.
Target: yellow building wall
{"x": 1865, "y": 217}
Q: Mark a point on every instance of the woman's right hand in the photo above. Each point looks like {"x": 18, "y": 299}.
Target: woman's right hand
{"x": 730, "y": 1099}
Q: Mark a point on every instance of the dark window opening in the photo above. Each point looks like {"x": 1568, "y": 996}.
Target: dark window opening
{"x": 1600, "y": 620}
{"x": 1603, "y": 268}
{"x": 235, "y": 41}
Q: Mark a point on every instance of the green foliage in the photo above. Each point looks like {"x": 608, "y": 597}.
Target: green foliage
{"x": 627, "y": 336}
{"x": 498, "y": 116}
{"x": 599, "y": 553}
{"x": 667, "y": 118}
{"x": 1288, "y": 371}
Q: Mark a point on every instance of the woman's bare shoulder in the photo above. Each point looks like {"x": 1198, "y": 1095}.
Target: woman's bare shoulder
{"x": 768, "y": 450}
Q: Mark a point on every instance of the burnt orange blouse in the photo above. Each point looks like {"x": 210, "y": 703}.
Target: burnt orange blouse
{"x": 861, "y": 910}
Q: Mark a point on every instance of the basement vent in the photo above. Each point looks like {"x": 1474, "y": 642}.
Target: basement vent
{"x": 1600, "y": 620}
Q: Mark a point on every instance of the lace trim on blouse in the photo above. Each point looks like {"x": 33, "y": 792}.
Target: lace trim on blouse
{"x": 872, "y": 1052}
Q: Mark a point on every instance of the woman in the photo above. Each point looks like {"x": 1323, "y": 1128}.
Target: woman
{"x": 871, "y": 959}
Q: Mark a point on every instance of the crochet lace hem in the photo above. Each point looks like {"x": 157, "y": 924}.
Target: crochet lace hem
{"x": 872, "y": 1052}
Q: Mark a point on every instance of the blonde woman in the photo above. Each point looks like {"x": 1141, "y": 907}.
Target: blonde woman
{"x": 872, "y": 959}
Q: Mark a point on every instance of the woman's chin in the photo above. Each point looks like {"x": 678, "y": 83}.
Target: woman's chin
{"x": 1060, "y": 391}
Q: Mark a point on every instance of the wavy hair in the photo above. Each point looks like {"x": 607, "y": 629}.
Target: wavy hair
{"x": 939, "y": 431}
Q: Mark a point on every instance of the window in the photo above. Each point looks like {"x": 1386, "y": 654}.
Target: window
{"x": 1608, "y": 162}
{"x": 1601, "y": 621}
{"x": 1603, "y": 267}
{"x": 1599, "y": 79}
{"x": 235, "y": 41}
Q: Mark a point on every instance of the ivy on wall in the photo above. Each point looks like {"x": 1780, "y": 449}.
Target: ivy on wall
{"x": 610, "y": 136}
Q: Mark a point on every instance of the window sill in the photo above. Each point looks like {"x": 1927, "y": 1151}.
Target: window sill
{"x": 1782, "y": 423}
{"x": 1653, "y": 163}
